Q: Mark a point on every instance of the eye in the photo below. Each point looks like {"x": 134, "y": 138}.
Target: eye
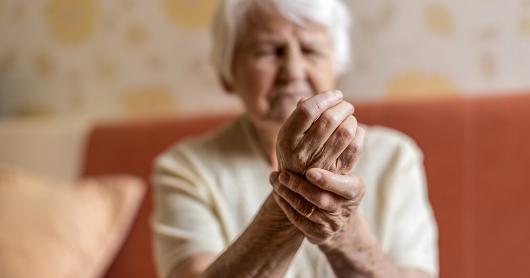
{"x": 310, "y": 51}
{"x": 279, "y": 51}
{"x": 270, "y": 51}
{"x": 263, "y": 51}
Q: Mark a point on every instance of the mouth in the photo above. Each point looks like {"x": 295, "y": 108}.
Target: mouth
{"x": 289, "y": 97}
{"x": 283, "y": 104}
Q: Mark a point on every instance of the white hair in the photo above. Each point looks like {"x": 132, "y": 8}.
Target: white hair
{"x": 332, "y": 14}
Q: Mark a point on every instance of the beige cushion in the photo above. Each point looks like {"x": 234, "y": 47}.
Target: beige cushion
{"x": 49, "y": 229}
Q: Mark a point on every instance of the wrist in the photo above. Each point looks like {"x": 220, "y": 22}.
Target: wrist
{"x": 272, "y": 222}
{"x": 356, "y": 251}
{"x": 355, "y": 237}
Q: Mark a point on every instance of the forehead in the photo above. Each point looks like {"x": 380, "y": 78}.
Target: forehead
{"x": 264, "y": 20}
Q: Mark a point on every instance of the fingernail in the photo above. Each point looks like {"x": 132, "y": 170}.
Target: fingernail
{"x": 337, "y": 93}
{"x": 314, "y": 176}
{"x": 284, "y": 177}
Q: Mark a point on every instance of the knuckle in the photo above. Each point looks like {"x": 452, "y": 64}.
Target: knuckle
{"x": 349, "y": 106}
{"x": 323, "y": 202}
{"x": 326, "y": 203}
{"x": 320, "y": 106}
{"x": 299, "y": 159}
{"x": 331, "y": 118}
{"x": 345, "y": 133}
{"x": 306, "y": 110}
{"x": 355, "y": 148}
{"x": 323, "y": 122}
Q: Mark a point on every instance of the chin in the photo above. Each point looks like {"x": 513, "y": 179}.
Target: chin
{"x": 281, "y": 111}
{"x": 276, "y": 114}
{"x": 285, "y": 105}
{"x": 272, "y": 120}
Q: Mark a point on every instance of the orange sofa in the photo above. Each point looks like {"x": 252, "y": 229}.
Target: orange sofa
{"x": 477, "y": 158}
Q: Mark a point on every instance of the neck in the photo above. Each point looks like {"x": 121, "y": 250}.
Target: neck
{"x": 267, "y": 142}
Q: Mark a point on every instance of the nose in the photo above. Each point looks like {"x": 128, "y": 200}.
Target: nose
{"x": 293, "y": 65}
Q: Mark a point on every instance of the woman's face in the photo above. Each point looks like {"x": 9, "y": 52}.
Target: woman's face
{"x": 277, "y": 63}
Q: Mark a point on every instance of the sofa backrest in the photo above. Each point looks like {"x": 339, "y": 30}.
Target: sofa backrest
{"x": 477, "y": 157}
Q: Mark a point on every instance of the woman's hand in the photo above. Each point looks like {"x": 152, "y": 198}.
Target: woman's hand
{"x": 320, "y": 133}
{"x": 322, "y": 205}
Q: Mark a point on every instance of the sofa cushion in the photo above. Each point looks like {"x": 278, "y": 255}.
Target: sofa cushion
{"x": 54, "y": 229}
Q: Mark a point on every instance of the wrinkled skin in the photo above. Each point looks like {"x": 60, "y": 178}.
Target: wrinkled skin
{"x": 335, "y": 198}
{"x": 320, "y": 133}
{"x": 317, "y": 147}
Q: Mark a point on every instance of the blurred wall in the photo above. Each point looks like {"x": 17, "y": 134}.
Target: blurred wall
{"x": 127, "y": 57}
{"x": 66, "y": 63}
{"x": 415, "y": 48}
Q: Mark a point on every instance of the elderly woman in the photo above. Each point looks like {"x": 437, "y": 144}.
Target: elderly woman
{"x": 283, "y": 190}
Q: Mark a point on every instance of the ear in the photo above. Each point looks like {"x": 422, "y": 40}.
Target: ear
{"x": 227, "y": 86}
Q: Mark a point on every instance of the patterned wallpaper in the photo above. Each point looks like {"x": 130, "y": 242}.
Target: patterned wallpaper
{"x": 417, "y": 48}
{"x": 138, "y": 58}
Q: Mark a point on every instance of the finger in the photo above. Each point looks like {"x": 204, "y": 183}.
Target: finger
{"x": 319, "y": 133}
{"x": 308, "y": 112}
{"x": 297, "y": 202}
{"x": 352, "y": 153}
{"x": 294, "y": 199}
{"x": 337, "y": 143}
{"x": 302, "y": 223}
{"x": 302, "y": 100}
{"x": 274, "y": 178}
{"x": 324, "y": 200}
{"x": 349, "y": 187}
{"x": 356, "y": 145}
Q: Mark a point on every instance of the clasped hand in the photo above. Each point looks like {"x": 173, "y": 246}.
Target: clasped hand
{"x": 316, "y": 149}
